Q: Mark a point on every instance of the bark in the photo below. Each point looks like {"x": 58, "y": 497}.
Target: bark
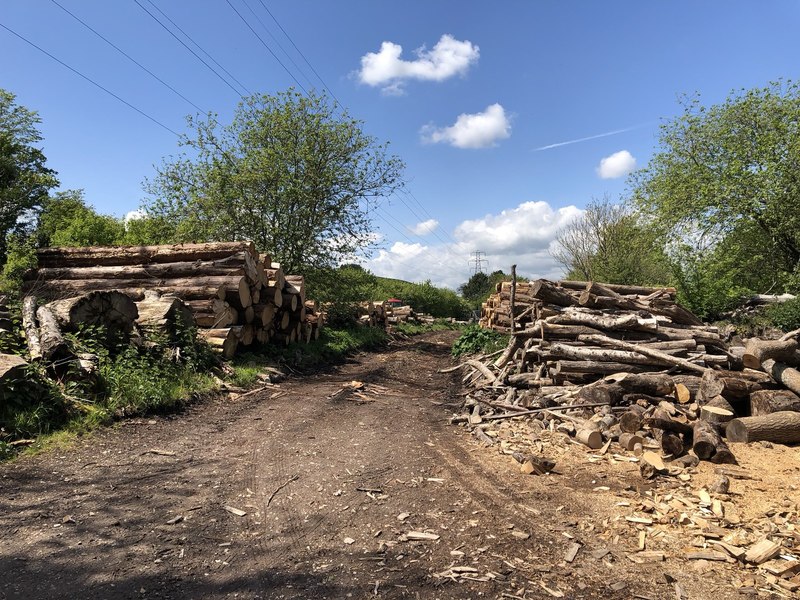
{"x": 167, "y": 314}
{"x": 757, "y": 351}
{"x": 764, "y": 402}
{"x": 782, "y": 427}
{"x": 653, "y": 384}
{"x": 625, "y": 290}
{"x": 607, "y": 394}
{"x": 783, "y": 374}
{"x": 113, "y": 310}
{"x": 650, "y": 353}
{"x": 225, "y": 340}
{"x": 137, "y": 255}
{"x": 708, "y": 445}
{"x": 548, "y": 292}
{"x": 556, "y": 351}
{"x": 566, "y": 367}
{"x": 30, "y": 327}
{"x": 587, "y": 317}
{"x": 53, "y": 344}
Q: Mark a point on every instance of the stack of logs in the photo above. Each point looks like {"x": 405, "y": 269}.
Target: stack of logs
{"x": 629, "y": 364}
{"x": 373, "y": 313}
{"x": 234, "y": 295}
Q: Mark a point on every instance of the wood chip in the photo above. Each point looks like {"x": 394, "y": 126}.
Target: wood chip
{"x": 762, "y": 551}
{"x": 640, "y": 520}
{"x": 235, "y": 511}
{"x": 572, "y": 552}
{"x": 421, "y": 536}
{"x": 175, "y": 520}
{"x": 708, "y": 555}
{"x": 520, "y": 535}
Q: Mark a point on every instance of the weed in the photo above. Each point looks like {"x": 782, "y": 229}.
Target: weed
{"x": 476, "y": 340}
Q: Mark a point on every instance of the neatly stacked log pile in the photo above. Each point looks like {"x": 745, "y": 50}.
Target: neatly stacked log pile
{"x": 630, "y": 365}
{"x": 373, "y": 313}
{"x": 233, "y": 294}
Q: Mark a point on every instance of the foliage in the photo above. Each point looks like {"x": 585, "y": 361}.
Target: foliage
{"x": 407, "y": 328}
{"x": 610, "y": 243}
{"x": 477, "y": 340}
{"x": 30, "y": 406}
{"x": 288, "y": 173}
{"x": 340, "y": 290}
{"x": 424, "y": 297}
{"x": 785, "y": 315}
{"x": 66, "y": 220}
{"x": 24, "y": 178}
{"x": 727, "y": 176}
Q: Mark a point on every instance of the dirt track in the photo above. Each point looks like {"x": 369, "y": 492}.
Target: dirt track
{"x": 138, "y": 511}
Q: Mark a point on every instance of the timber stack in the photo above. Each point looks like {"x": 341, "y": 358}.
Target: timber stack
{"x": 628, "y": 364}
{"x": 234, "y": 295}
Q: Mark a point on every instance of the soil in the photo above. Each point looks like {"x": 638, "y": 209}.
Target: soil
{"x": 302, "y": 490}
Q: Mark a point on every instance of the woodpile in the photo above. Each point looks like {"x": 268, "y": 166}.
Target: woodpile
{"x": 234, "y": 295}
{"x": 629, "y": 365}
{"x": 373, "y": 313}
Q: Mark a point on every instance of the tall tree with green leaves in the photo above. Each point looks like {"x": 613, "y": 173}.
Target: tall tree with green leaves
{"x": 24, "y": 179}
{"x": 727, "y": 179}
{"x": 288, "y": 172}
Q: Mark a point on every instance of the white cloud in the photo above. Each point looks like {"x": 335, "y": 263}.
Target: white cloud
{"x": 481, "y": 130}
{"x": 521, "y": 236}
{"x": 139, "y": 213}
{"x": 386, "y": 68}
{"x": 617, "y": 165}
{"x": 425, "y": 227}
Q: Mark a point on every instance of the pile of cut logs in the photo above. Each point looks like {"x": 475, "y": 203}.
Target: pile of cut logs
{"x": 234, "y": 295}
{"x": 629, "y": 365}
{"x": 373, "y": 313}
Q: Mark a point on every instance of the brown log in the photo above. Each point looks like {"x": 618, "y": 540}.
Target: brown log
{"x": 653, "y": 384}
{"x": 590, "y": 300}
{"x": 296, "y": 284}
{"x": 548, "y": 292}
{"x": 275, "y": 276}
{"x": 629, "y": 440}
{"x": 757, "y": 351}
{"x": 113, "y": 310}
{"x": 783, "y": 374}
{"x": 733, "y": 388}
{"x": 687, "y": 387}
{"x": 53, "y": 344}
{"x": 781, "y": 427}
{"x": 589, "y": 437}
{"x": 240, "y": 263}
{"x": 673, "y": 310}
{"x": 671, "y": 444}
{"x": 630, "y": 421}
{"x": 607, "y": 394}
{"x": 225, "y": 340}
{"x": 566, "y": 367}
{"x": 669, "y": 424}
{"x": 717, "y": 410}
{"x": 138, "y": 255}
{"x": 31, "y": 328}
{"x": 167, "y": 315}
{"x": 708, "y": 445}
{"x": 764, "y": 402}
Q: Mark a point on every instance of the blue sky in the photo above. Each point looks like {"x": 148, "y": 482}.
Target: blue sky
{"x": 467, "y": 93}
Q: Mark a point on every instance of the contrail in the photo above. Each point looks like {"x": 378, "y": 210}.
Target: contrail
{"x": 586, "y": 139}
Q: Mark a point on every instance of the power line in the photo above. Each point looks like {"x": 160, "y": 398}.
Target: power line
{"x": 199, "y": 47}
{"x": 125, "y": 54}
{"x": 197, "y": 56}
{"x": 92, "y": 81}
{"x": 310, "y": 66}
{"x": 263, "y": 43}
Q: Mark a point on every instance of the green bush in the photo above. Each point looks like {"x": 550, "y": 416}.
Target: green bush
{"x": 786, "y": 315}
{"x": 477, "y": 340}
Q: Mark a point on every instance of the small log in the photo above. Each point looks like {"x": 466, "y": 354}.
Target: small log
{"x": 629, "y": 440}
{"x": 483, "y": 369}
{"x": 671, "y": 444}
{"x": 764, "y": 402}
{"x": 652, "y": 384}
{"x": 622, "y": 289}
{"x": 607, "y": 394}
{"x": 669, "y": 425}
{"x": 551, "y": 294}
{"x": 589, "y": 437}
{"x": 649, "y": 352}
{"x": 708, "y": 445}
{"x": 757, "y": 351}
{"x": 167, "y": 315}
{"x": 225, "y": 340}
{"x": 717, "y": 410}
{"x": 687, "y": 387}
{"x": 726, "y": 384}
{"x": 781, "y": 427}
{"x": 783, "y": 374}
{"x": 566, "y": 367}
{"x": 630, "y": 421}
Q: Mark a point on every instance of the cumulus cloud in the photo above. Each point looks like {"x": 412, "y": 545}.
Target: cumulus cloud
{"x": 521, "y": 236}
{"x": 425, "y": 227}
{"x": 617, "y": 165}
{"x": 386, "y": 68}
{"x": 139, "y": 213}
{"x": 480, "y": 130}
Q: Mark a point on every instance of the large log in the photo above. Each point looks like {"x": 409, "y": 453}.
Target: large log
{"x": 557, "y": 351}
{"x": 764, "y": 402}
{"x": 726, "y": 384}
{"x": 137, "y": 255}
{"x": 167, "y": 315}
{"x": 757, "y": 351}
{"x": 550, "y": 293}
{"x": 625, "y": 290}
{"x": 599, "y": 320}
{"x": 650, "y": 353}
{"x": 54, "y": 346}
{"x": 240, "y": 263}
{"x": 566, "y": 367}
{"x": 783, "y": 374}
{"x": 225, "y": 339}
{"x": 782, "y": 427}
{"x": 11, "y": 367}
{"x": 112, "y": 310}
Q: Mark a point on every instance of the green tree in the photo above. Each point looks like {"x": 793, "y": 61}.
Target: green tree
{"x": 613, "y": 244}
{"x": 24, "y": 179}
{"x": 727, "y": 179}
{"x": 66, "y": 220}
{"x": 288, "y": 173}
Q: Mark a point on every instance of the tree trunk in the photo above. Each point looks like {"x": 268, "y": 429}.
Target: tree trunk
{"x": 112, "y": 310}
{"x": 30, "y": 328}
{"x": 567, "y": 367}
{"x": 732, "y": 387}
{"x": 548, "y": 292}
{"x": 225, "y": 340}
{"x": 137, "y": 255}
{"x": 625, "y": 290}
{"x": 556, "y": 351}
{"x": 783, "y": 374}
{"x": 54, "y": 346}
{"x": 648, "y": 353}
{"x": 757, "y": 351}
{"x": 782, "y": 427}
{"x": 653, "y": 384}
{"x": 764, "y": 402}
{"x": 597, "y": 320}
{"x": 167, "y": 315}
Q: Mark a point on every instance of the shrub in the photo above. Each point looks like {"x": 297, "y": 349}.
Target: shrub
{"x": 786, "y": 315}
{"x": 476, "y": 340}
